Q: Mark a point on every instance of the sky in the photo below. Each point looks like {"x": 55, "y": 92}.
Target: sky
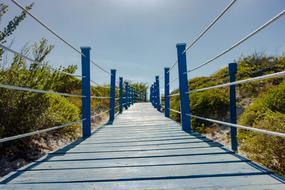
{"x": 138, "y": 37}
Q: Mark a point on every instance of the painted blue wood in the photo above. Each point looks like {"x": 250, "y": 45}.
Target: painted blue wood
{"x": 112, "y": 95}
{"x": 145, "y": 150}
{"x": 132, "y": 95}
{"x": 166, "y": 93}
{"x": 150, "y": 95}
{"x": 155, "y": 94}
{"x": 183, "y": 87}
{"x": 86, "y": 99}
{"x": 158, "y": 106}
{"x": 121, "y": 100}
{"x": 232, "y": 74}
{"x": 127, "y": 95}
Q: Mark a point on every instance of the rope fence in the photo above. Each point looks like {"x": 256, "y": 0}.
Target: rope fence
{"x": 275, "y": 18}
{"x": 184, "y": 91}
{"x": 37, "y": 132}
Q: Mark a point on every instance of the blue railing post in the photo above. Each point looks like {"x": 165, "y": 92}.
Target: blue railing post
{"x": 157, "y": 93}
{"x": 140, "y": 96}
{"x": 145, "y": 96}
{"x": 166, "y": 92}
{"x": 121, "y": 95}
{"x": 86, "y": 100}
{"x": 112, "y": 95}
{"x": 150, "y": 90}
{"x": 183, "y": 87}
{"x": 127, "y": 102}
{"x": 232, "y": 73}
{"x": 132, "y": 96}
{"x": 151, "y": 95}
{"x": 154, "y": 95}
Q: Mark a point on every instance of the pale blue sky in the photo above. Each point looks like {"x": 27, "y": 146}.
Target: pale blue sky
{"x": 138, "y": 37}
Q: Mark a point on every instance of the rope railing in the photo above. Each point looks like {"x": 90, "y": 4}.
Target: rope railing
{"x": 172, "y": 81}
{"x": 278, "y": 16}
{"x": 99, "y": 85}
{"x": 56, "y": 35}
{"x": 34, "y": 61}
{"x": 183, "y": 89}
{"x": 99, "y": 114}
{"x": 267, "y": 132}
{"x": 100, "y": 97}
{"x": 11, "y": 87}
{"x": 37, "y": 132}
{"x": 176, "y": 94}
{"x": 269, "y": 76}
{"x": 210, "y": 26}
{"x": 86, "y": 87}
{"x": 214, "y": 21}
{"x": 175, "y": 111}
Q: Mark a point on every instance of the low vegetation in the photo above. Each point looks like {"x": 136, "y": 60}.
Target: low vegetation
{"x": 260, "y": 104}
{"x": 22, "y": 112}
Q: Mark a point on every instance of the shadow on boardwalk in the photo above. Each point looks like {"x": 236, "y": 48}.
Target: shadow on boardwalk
{"x": 143, "y": 150}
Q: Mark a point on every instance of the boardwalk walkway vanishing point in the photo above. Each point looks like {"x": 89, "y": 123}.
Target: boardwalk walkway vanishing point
{"x": 142, "y": 150}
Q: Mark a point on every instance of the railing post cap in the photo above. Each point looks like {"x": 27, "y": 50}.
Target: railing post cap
{"x": 232, "y": 68}
{"x": 180, "y": 44}
{"x": 85, "y": 48}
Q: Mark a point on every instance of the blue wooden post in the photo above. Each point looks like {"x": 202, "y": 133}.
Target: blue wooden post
{"x": 86, "y": 100}
{"x": 166, "y": 92}
{"x": 131, "y": 96}
{"x": 157, "y": 93}
{"x": 232, "y": 73}
{"x": 140, "y": 96}
{"x": 145, "y": 96}
{"x": 121, "y": 95}
{"x": 127, "y": 96}
{"x": 150, "y": 94}
{"x": 183, "y": 87}
{"x": 112, "y": 95}
{"x": 133, "y": 92}
{"x": 154, "y": 95}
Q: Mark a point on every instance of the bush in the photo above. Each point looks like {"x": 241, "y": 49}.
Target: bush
{"x": 59, "y": 111}
{"x": 23, "y": 112}
{"x": 212, "y": 104}
{"x": 266, "y": 112}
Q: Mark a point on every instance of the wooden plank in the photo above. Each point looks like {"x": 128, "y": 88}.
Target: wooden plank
{"x": 143, "y": 150}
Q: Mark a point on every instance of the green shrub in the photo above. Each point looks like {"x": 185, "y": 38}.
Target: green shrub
{"x": 59, "y": 111}
{"x": 23, "y": 112}
{"x": 212, "y": 104}
{"x": 266, "y": 112}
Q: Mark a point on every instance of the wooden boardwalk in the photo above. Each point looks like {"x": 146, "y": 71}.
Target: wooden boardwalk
{"x": 142, "y": 150}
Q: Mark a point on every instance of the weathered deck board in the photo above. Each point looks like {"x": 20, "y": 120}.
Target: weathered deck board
{"x": 142, "y": 150}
